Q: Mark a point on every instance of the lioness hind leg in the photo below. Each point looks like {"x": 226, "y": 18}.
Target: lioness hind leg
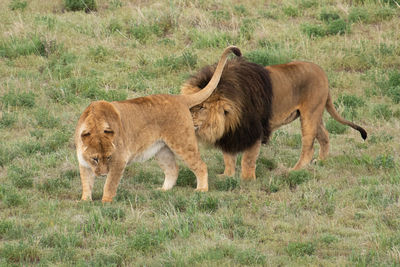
{"x": 230, "y": 164}
{"x": 188, "y": 151}
{"x": 166, "y": 160}
{"x": 249, "y": 161}
{"x": 323, "y": 140}
{"x": 196, "y": 164}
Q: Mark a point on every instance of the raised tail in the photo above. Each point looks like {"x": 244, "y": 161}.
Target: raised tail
{"x": 199, "y": 97}
{"x": 333, "y": 112}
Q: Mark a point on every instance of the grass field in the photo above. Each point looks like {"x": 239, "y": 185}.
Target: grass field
{"x": 54, "y": 61}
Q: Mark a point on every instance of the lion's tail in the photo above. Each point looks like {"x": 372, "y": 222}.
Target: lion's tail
{"x": 199, "y": 97}
{"x": 333, "y": 112}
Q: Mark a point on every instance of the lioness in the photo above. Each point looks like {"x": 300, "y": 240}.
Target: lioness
{"x": 109, "y": 135}
{"x": 251, "y": 101}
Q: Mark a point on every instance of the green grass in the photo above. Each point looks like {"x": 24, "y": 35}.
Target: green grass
{"x": 18, "y": 5}
{"x": 77, "y": 5}
{"x": 299, "y": 249}
{"x": 58, "y": 56}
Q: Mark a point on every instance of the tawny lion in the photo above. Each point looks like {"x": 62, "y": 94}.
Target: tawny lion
{"x": 251, "y": 101}
{"x": 110, "y": 135}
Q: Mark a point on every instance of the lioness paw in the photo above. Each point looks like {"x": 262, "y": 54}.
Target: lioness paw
{"x": 106, "y": 199}
{"x": 86, "y": 198}
{"x": 163, "y": 189}
{"x": 201, "y": 189}
{"x": 223, "y": 175}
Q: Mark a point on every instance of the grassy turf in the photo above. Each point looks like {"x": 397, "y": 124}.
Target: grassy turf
{"x": 58, "y": 56}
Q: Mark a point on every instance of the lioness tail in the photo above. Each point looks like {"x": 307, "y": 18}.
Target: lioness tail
{"x": 333, "y": 112}
{"x": 199, "y": 97}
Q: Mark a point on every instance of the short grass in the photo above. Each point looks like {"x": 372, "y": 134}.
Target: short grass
{"x": 58, "y": 56}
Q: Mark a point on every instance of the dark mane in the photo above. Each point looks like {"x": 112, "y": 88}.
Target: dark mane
{"x": 248, "y": 85}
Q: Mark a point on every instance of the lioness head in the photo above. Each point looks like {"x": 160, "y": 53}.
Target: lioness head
{"x": 98, "y": 132}
{"x": 98, "y": 149}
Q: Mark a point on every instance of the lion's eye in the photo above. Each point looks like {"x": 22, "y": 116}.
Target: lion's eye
{"x": 198, "y": 108}
{"x": 109, "y": 158}
{"x": 226, "y": 112}
{"x": 96, "y": 160}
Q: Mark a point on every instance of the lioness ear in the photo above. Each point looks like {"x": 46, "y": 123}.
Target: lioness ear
{"x": 109, "y": 131}
{"x": 85, "y": 134}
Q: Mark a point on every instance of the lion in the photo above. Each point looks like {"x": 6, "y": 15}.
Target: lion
{"x": 251, "y": 101}
{"x": 110, "y": 135}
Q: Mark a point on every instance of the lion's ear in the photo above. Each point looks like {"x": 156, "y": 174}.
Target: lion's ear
{"x": 226, "y": 108}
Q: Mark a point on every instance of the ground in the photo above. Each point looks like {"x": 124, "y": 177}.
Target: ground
{"x": 54, "y": 61}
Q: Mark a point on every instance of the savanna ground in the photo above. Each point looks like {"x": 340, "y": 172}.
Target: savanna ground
{"x": 54, "y": 61}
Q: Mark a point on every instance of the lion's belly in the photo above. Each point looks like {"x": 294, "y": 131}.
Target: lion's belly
{"x": 275, "y": 123}
{"x": 149, "y": 152}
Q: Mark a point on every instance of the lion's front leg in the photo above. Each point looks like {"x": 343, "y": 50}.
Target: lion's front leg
{"x": 249, "y": 161}
{"x": 112, "y": 182}
{"x": 230, "y": 164}
{"x": 87, "y": 180}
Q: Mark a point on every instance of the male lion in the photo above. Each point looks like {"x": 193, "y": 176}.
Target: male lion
{"x": 251, "y": 101}
{"x": 109, "y": 135}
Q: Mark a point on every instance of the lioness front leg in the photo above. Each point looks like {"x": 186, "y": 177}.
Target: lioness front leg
{"x": 87, "y": 180}
{"x": 230, "y": 164}
{"x": 249, "y": 161}
{"x": 166, "y": 160}
{"x": 112, "y": 182}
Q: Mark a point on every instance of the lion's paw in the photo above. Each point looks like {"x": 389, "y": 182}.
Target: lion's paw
{"x": 249, "y": 179}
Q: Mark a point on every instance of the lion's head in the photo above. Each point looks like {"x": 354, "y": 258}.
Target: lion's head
{"x": 214, "y": 117}
{"x": 236, "y": 115}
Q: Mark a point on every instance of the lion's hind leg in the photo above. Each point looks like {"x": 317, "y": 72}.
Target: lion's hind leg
{"x": 323, "y": 140}
{"x": 309, "y": 132}
{"x": 166, "y": 160}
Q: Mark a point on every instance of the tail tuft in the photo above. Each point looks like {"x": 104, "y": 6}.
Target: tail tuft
{"x": 362, "y": 132}
{"x": 236, "y": 51}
